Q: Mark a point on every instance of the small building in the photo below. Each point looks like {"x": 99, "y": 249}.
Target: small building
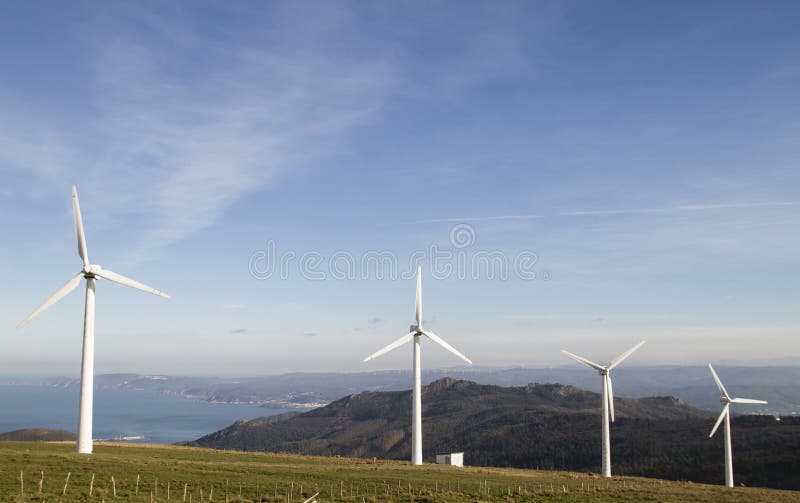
{"x": 454, "y": 458}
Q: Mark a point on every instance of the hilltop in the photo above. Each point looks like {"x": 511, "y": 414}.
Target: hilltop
{"x": 548, "y": 426}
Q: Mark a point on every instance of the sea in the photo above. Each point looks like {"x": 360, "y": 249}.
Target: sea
{"x": 136, "y": 415}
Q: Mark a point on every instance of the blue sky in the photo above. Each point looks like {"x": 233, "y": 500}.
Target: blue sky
{"x": 647, "y": 154}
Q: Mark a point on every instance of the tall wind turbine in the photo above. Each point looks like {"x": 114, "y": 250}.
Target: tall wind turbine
{"x": 608, "y": 398}
{"x": 91, "y": 273}
{"x": 726, "y": 401}
{"x": 415, "y": 335}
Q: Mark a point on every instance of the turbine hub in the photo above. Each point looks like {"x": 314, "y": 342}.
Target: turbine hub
{"x": 415, "y": 329}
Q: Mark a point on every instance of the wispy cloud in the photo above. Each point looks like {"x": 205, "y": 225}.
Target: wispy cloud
{"x": 174, "y": 145}
{"x": 601, "y": 318}
{"x": 233, "y": 306}
{"x": 473, "y": 219}
{"x": 644, "y": 317}
{"x": 611, "y": 212}
{"x": 213, "y": 143}
{"x": 533, "y": 317}
{"x": 682, "y": 208}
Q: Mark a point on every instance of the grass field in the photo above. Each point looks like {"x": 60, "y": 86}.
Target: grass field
{"x": 168, "y": 473}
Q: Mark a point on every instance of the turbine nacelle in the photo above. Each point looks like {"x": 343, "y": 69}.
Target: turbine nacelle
{"x": 89, "y": 270}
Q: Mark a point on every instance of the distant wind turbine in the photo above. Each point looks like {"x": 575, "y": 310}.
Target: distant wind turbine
{"x": 91, "y": 273}
{"x": 726, "y": 401}
{"x": 608, "y": 399}
{"x": 415, "y": 335}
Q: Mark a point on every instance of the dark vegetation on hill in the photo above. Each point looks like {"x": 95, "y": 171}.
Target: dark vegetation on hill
{"x": 38, "y": 435}
{"x": 547, "y": 426}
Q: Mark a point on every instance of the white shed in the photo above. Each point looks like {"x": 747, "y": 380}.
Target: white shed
{"x": 454, "y": 458}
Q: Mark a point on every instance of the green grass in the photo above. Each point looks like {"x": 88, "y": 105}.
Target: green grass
{"x": 283, "y": 478}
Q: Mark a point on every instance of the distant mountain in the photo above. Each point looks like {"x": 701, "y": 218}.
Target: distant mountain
{"x": 548, "y": 426}
{"x": 38, "y": 435}
{"x": 692, "y": 384}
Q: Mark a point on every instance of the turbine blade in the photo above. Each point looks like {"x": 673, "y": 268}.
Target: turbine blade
{"x": 122, "y": 280}
{"x": 438, "y": 340}
{"x": 719, "y": 383}
{"x": 76, "y": 214}
{"x": 720, "y": 418}
{"x": 746, "y": 400}
{"x": 70, "y": 286}
{"x": 580, "y": 359}
{"x": 610, "y": 397}
{"x": 396, "y": 344}
{"x": 624, "y": 355}
{"x": 418, "y": 303}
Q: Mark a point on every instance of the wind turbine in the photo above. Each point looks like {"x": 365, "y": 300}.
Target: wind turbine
{"x": 415, "y": 335}
{"x": 726, "y": 400}
{"x": 91, "y": 273}
{"x": 608, "y": 398}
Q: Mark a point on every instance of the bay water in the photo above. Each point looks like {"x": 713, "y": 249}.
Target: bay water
{"x": 157, "y": 418}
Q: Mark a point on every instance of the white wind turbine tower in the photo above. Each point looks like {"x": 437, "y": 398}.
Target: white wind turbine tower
{"x": 608, "y": 399}
{"x": 726, "y": 400}
{"x": 415, "y": 335}
{"x": 91, "y": 273}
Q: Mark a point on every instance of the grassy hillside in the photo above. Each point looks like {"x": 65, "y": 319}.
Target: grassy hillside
{"x": 282, "y": 478}
{"x": 537, "y": 426}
